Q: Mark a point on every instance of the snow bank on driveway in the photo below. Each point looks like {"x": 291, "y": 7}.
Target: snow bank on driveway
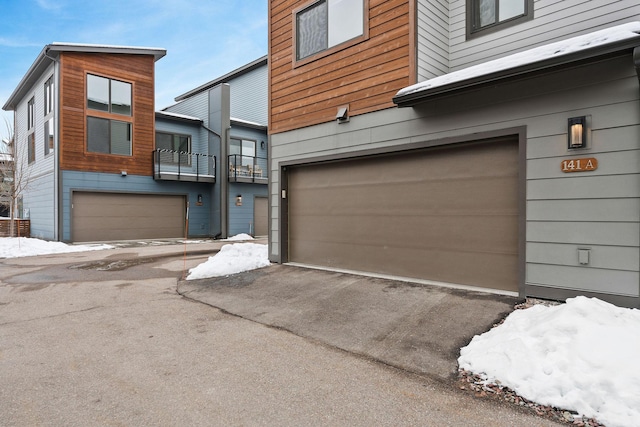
{"x": 232, "y": 259}
{"x": 14, "y": 247}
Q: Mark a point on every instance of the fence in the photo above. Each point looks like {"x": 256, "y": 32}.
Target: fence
{"x": 22, "y": 228}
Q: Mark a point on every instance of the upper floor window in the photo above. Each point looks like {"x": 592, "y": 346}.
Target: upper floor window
{"x": 31, "y": 132}
{"x": 109, "y": 95}
{"x": 177, "y": 145}
{"x": 109, "y": 116}
{"x": 323, "y": 24}
{"x": 244, "y": 151}
{"x": 48, "y": 116}
{"x": 496, "y": 14}
{"x": 48, "y": 96}
{"x": 30, "y": 114}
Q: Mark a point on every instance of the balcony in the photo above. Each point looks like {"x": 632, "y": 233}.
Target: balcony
{"x": 248, "y": 169}
{"x": 171, "y": 165}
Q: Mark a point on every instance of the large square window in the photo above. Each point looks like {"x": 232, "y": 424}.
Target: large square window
{"x": 325, "y": 24}
{"x": 108, "y": 95}
{"x": 489, "y": 15}
{"x": 108, "y": 136}
{"x": 243, "y": 151}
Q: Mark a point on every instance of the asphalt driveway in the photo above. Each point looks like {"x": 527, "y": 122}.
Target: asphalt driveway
{"x": 417, "y": 328}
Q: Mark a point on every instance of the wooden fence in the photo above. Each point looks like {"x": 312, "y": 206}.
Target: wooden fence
{"x": 22, "y": 228}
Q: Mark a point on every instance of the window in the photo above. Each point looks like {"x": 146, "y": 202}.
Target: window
{"x": 109, "y": 111}
{"x": 497, "y": 14}
{"x": 324, "y": 24}
{"x": 48, "y": 96}
{"x": 245, "y": 151}
{"x": 48, "y": 116}
{"x": 31, "y": 132}
{"x": 108, "y": 95}
{"x": 48, "y": 136}
{"x": 108, "y": 136}
{"x": 30, "y": 114}
{"x": 179, "y": 144}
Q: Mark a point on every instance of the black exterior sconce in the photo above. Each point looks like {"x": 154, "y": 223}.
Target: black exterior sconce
{"x": 577, "y": 132}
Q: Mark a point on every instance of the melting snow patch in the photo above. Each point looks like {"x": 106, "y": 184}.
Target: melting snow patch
{"x": 232, "y": 259}
{"x": 14, "y": 247}
{"x": 580, "y": 356}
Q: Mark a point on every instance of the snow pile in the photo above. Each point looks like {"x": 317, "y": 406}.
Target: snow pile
{"x": 232, "y": 259}
{"x": 581, "y": 356}
{"x": 14, "y": 247}
{"x": 238, "y": 238}
{"x": 552, "y": 50}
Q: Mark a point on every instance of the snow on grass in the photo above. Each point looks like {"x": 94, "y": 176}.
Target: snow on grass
{"x": 14, "y": 247}
{"x": 580, "y": 356}
{"x": 232, "y": 259}
{"x": 238, "y": 238}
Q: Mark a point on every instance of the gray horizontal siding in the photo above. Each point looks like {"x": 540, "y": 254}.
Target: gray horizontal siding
{"x": 553, "y": 20}
{"x": 433, "y": 38}
{"x": 602, "y": 257}
{"x": 249, "y": 96}
{"x": 584, "y": 279}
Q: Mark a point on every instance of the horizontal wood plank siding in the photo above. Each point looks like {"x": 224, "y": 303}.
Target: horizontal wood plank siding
{"x": 365, "y": 75}
{"x": 553, "y": 20}
{"x": 136, "y": 69}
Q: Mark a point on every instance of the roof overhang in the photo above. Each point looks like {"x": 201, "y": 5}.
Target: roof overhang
{"x": 178, "y": 117}
{"x": 247, "y": 124}
{"x": 51, "y": 53}
{"x": 492, "y": 72}
{"x": 260, "y": 62}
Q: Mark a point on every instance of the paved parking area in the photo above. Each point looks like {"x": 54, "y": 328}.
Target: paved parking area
{"x": 84, "y": 346}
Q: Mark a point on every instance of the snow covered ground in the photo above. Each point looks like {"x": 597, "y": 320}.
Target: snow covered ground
{"x": 580, "y": 356}
{"x": 14, "y": 247}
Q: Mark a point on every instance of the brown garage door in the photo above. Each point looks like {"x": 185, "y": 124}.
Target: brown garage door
{"x": 446, "y": 214}
{"x": 260, "y": 216}
{"x": 113, "y": 216}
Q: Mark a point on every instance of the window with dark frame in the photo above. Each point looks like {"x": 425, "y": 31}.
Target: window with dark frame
{"x": 178, "y": 144}
{"x": 48, "y": 116}
{"x": 485, "y": 15}
{"x": 244, "y": 149}
{"x": 109, "y": 111}
{"x": 31, "y": 135}
{"x": 324, "y": 24}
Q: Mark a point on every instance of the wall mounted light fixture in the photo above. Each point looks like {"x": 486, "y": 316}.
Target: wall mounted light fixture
{"x": 577, "y": 132}
{"x": 343, "y": 114}
{"x": 239, "y": 200}
{"x": 262, "y": 144}
{"x": 199, "y": 198}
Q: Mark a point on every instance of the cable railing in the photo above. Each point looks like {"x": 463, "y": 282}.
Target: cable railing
{"x": 247, "y": 169}
{"x": 172, "y": 165}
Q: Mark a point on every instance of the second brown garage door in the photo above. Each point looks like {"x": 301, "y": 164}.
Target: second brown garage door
{"x": 447, "y": 214}
{"x": 117, "y": 216}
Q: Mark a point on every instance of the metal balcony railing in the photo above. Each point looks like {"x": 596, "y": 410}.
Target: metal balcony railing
{"x": 172, "y": 165}
{"x": 248, "y": 169}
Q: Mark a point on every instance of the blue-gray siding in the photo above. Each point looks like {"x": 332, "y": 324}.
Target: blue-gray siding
{"x": 199, "y": 224}
{"x": 241, "y": 217}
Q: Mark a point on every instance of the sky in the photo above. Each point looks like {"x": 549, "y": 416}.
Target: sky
{"x": 204, "y": 39}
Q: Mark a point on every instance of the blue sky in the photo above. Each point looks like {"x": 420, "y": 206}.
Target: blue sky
{"x": 204, "y": 39}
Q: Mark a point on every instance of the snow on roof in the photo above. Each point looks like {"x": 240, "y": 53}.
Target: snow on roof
{"x": 247, "y": 122}
{"x": 565, "y": 47}
{"x": 178, "y": 116}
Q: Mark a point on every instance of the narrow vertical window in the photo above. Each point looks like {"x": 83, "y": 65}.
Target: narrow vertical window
{"x": 31, "y": 132}
{"x": 49, "y": 93}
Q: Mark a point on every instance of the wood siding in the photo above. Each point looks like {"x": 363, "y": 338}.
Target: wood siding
{"x": 137, "y": 69}
{"x": 365, "y": 75}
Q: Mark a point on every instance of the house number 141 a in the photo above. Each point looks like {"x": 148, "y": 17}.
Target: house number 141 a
{"x": 579, "y": 165}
